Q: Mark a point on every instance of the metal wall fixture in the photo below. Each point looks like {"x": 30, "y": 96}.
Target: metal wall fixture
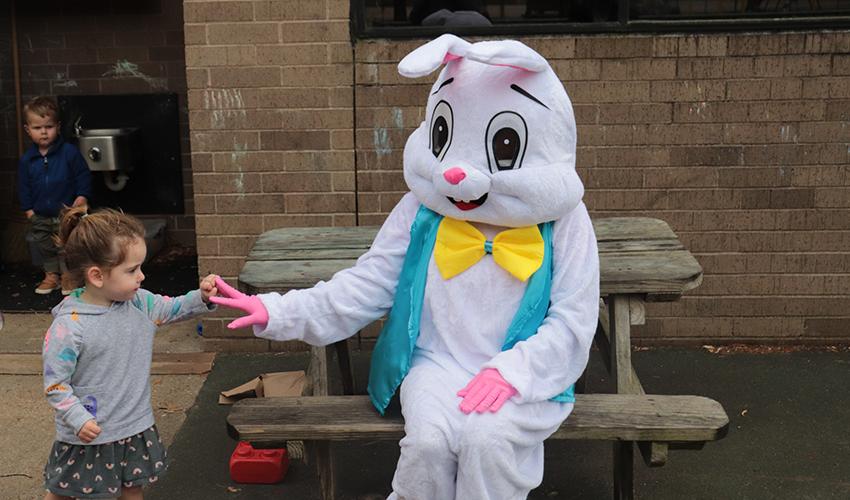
{"x": 111, "y": 151}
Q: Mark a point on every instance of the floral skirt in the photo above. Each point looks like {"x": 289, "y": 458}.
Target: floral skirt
{"x": 102, "y": 470}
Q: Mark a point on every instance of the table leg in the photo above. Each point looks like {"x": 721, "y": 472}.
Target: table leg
{"x": 619, "y": 335}
{"x": 345, "y": 368}
{"x": 320, "y": 451}
{"x": 626, "y": 382}
{"x": 319, "y": 365}
{"x": 624, "y": 486}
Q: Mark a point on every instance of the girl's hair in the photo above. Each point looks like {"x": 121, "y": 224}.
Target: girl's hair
{"x": 98, "y": 239}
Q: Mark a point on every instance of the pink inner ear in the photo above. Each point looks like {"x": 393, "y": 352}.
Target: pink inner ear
{"x": 514, "y": 67}
{"x": 450, "y": 57}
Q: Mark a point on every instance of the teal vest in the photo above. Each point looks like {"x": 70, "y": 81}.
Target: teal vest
{"x": 394, "y": 348}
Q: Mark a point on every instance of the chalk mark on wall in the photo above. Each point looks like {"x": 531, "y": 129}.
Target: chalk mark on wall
{"x": 126, "y": 69}
{"x": 227, "y": 107}
{"x": 239, "y": 152}
{"x": 381, "y": 140}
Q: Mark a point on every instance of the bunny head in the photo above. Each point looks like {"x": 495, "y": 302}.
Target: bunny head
{"x": 499, "y": 138}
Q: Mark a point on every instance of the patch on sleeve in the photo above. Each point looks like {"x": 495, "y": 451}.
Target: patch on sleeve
{"x": 175, "y": 306}
{"x": 60, "y": 331}
{"x": 53, "y": 389}
{"x": 65, "y": 404}
{"x": 68, "y": 354}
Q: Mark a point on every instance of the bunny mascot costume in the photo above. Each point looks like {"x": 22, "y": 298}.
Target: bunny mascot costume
{"x": 488, "y": 268}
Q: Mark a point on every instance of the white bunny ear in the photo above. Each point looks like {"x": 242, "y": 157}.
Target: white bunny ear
{"x": 507, "y": 53}
{"x": 426, "y": 58}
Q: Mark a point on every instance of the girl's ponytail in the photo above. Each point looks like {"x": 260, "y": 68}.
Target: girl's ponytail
{"x": 71, "y": 218}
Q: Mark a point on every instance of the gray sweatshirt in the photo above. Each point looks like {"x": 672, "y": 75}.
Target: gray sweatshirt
{"x": 97, "y": 361}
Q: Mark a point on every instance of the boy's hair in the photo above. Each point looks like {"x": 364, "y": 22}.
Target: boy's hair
{"x": 99, "y": 239}
{"x": 41, "y": 106}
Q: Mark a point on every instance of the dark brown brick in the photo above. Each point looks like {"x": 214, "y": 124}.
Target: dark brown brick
{"x": 293, "y": 141}
{"x": 296, "y": 182}
{"x": 319, "y": 203}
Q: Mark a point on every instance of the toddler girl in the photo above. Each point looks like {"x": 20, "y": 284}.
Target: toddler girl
{"x": 97, "y": 359}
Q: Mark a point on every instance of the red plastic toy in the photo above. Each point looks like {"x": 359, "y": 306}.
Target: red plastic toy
{"x": 248, "y": 465}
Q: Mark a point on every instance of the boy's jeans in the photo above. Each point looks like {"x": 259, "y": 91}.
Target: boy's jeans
{"x": 43, "y": 230}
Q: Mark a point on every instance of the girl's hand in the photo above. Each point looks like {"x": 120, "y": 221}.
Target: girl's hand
{"x": 89, "y": 432}
{"x": 208, "y": 288}
{"x": 251, "y": 304}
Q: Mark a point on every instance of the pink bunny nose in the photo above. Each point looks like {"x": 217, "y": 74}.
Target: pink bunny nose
{"x": 454, "y": 175}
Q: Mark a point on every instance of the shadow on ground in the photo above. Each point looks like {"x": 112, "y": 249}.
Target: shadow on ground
{"x": 787, "y": 436}
{"x": 174, "y": 271}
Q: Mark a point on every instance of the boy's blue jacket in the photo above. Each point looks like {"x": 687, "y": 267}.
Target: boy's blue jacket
{"x": 47, "y": 182}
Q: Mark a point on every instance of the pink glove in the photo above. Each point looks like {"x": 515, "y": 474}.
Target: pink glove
{"x": 486, "y": 391}
{"x": 251, "y": 304}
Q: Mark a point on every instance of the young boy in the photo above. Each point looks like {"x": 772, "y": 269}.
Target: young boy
{"x": 51, "y": 173}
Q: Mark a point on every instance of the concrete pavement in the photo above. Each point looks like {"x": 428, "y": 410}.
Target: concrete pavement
{"x": 26, "y": 420}
{"x": 788, "y": 435}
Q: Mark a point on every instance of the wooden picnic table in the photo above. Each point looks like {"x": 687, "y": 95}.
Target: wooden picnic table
{"x": 641, "y": 260}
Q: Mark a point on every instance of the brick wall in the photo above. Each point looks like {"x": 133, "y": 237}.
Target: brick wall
{"x": 737, "y": 140}
{"x": 271, "y": 119}
{"x": 109, "y": 47}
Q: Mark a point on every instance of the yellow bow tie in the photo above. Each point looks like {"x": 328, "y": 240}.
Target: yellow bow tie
{"x": 460, "y": 245}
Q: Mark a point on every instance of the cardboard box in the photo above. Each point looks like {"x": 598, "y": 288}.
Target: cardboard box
{"x": 267, "y": 385}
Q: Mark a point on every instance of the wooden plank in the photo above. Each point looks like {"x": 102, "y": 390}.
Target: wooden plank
{"x": 276, "y": 276}
{"x": 672, "y": 272}
{"x": 634, "y": 233}
{"x": 637, "y": 310}
{"x": 189, "y": 363}
{"x": 623, "y": 417}
{"x": 667, "y": 274}
{"x": 318, "y": 370}
{"x": 610, "y": 232}
{"x": 631, "y": 228}
{"x": 325, "y": 468}
{"x": 637, "y": 255}
{"x": 314, "y": 238}
{"x": 636, "y": 246}
{"x": 654, "y": 454}
{"x": 619, "y": 335}
{"x": 603, "y": 342}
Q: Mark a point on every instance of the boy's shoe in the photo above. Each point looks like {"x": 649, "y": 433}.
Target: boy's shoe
{"x": 68, "y": 284}
{"x": 48, "y": 284}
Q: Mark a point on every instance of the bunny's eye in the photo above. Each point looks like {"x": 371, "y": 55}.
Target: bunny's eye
{"x": 506, "y": 139}
{"x": 441, "y": 129}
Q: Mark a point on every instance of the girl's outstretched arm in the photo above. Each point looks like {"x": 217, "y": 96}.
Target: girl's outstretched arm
{"x": 162, "y": 309}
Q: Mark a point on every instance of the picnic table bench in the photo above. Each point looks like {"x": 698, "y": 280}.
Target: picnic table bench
{"x": 641, "y": 260}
